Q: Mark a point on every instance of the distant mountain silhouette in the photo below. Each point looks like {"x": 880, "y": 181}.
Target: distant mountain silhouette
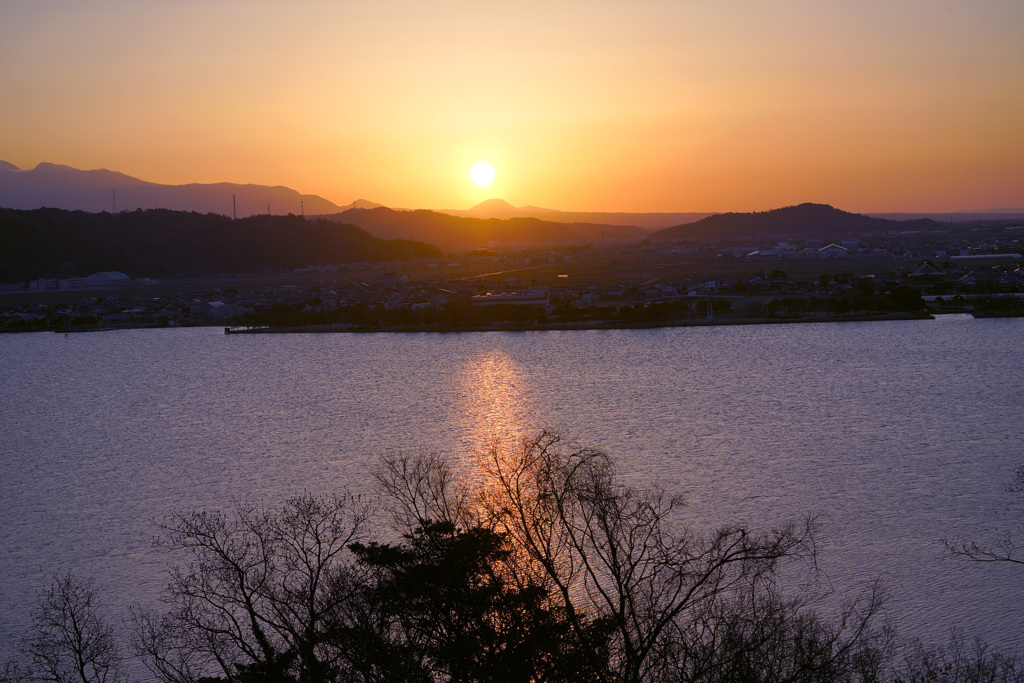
{"x": 806, "y": 220}
{"x": 64, "y": 187}
{"x": 360, "y": 204}
{"x": 457, "y": 233}
{"x": 499, "y": 208}
{"x": 494, "y": 207}
{"x": 162, "y": 243}
{"x": 986, "y": 215}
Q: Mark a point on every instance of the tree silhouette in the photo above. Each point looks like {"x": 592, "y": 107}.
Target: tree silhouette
{"x": 451, "y": 603}
{"x": 69, "y": 640}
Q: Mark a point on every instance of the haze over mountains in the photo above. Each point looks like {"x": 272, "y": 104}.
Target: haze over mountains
{"x": 493, "y": 223}
{"x": 499, "y": 208}
{"x": 64, "y": 187}
{"x": 162, "y": 243}
{"x": 461, "y": 233}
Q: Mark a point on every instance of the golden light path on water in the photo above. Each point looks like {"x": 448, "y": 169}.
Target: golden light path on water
{"x": 493, "y": 399}
{"x": 497, "y": 412}
{"x": 499, "y": 418}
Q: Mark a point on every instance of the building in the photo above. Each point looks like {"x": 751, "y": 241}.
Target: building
{"x": 833, "y": 251}
{"x": 533, "y": 297}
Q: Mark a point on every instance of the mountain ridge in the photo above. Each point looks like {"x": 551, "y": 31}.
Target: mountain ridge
{"x": 821, "y": 221}
{"x": 61, "y": 186}
{"x": 163, "y": 243}
{"x": 462, "y": 233}
{"x": 65, "y": 187}
{"x": 501, "y": 209}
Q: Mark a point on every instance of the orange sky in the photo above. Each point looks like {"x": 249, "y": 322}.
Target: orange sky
{"x": 648, "y": 105}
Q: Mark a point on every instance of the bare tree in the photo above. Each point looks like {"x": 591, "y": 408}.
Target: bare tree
{"x": 260, "y": 593}
{"x": 544, "y": 535}
{"x": 615, "y": 553}
{"x": 1005, "y": 550}
{"x": 69, "y": 640}
{"x": 672, "y": 604}
{"x": 959, "y": 661}
{"x": 424, "y": 488}
{"x": 759, "y": 635}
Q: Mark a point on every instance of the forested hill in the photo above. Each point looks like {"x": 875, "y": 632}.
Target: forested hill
{"x": 819, "y": 221}
{"x": 163, "y": 243}
{"x": 458, "y": 233}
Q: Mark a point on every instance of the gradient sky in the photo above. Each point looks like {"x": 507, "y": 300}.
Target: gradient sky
{"x": 645, "y": 105}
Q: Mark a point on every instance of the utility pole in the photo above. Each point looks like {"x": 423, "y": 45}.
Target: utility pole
{"x": 113, "y": 196}
{"x": 234, "y": 208}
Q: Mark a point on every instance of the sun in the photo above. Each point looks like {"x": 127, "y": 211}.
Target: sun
{"x": 482, "y": 174}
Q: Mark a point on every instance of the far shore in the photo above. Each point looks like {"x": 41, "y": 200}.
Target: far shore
{"x": 720, "y": 320}
{"x": 577, "y": 325}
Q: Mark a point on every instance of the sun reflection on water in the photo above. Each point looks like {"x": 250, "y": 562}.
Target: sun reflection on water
{"x": 494, "y": 400}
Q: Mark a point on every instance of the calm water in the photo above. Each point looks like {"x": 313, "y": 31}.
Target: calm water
{"x": 897, "y": 433}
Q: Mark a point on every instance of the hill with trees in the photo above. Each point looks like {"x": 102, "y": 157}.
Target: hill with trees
{"x": 808, "y": 220}
{"x": 162, "y": 243}
{"x": 461, "y": 233}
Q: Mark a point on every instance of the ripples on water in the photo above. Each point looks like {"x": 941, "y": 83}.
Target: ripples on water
{"x": 898, "y": 433}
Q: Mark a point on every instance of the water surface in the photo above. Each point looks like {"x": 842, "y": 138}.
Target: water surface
{"x": 898, "y": 434}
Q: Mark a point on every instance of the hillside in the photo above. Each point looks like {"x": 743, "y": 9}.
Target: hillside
{"x": 807, "y": 221}
{"x": 161, "y": 243}
{"x": 455, "y": 233}
{"x": 639, "y": 223}
{"x": 64, "y": 187}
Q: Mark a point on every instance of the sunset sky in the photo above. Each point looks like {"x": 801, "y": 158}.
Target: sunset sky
{"x": 647, "y": 105}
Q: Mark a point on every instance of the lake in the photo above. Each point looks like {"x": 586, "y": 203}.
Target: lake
{"x": 898, "y": 434}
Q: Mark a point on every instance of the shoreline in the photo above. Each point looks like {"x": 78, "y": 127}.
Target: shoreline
{"x": 571, "y": 326}
{"x": 349, "y": 328}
